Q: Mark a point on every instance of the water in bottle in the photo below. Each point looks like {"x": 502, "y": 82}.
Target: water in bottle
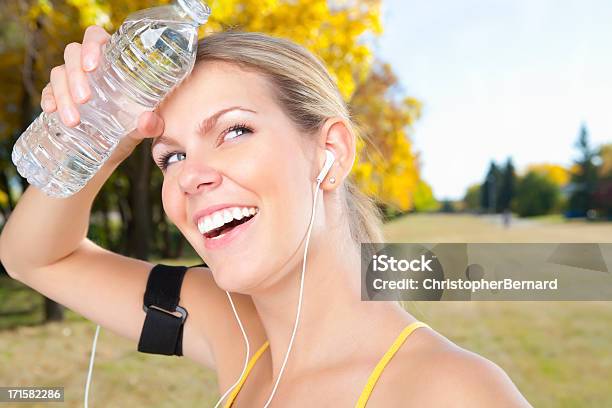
{"x": 153, "y": 51}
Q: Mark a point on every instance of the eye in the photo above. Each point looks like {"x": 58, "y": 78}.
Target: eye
{"x": 164, "y": 161}
{"x": 235, "y": 131}
{"x": 228, "y": 134}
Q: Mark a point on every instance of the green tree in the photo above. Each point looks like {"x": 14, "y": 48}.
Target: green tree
{"x": 489, "y": 190}
{"x": 447, "y": 206}
{"x": 471, "y": 200}
{"x": 507, "y": 188}
{"x": 584, "y": 179}
{"x": 536, "y": 195}
{"x": 424, "y": 199}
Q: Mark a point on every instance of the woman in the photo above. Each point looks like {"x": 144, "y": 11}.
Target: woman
{"x": 271, "y": 111}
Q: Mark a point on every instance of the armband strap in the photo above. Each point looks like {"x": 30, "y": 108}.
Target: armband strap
{"x": 162, "y": 332}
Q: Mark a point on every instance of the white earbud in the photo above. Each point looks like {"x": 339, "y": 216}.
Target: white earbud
{"x": 329, "y": 160}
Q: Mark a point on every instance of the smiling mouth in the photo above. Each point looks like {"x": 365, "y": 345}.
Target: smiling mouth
{"x": 227, "y": 227}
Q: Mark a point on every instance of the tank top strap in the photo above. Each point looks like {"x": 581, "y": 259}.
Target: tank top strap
{"x": 236, "y": 390}
{"x": 365, "y": 394}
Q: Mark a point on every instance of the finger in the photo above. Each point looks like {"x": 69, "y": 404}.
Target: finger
{"x": 150, "y": 124}
{"x": 94, "y": 38}
{"x": 79, "y": 88}
{"x": 47, "y": 100}
{"x": 67, "y": 111}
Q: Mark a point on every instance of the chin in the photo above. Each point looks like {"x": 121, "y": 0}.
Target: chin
{"x": 234, "y": 278}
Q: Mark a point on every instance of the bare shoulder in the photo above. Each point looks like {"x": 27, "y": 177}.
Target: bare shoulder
{"x": 436, "y": 372}
{"x": 469, "y": 379}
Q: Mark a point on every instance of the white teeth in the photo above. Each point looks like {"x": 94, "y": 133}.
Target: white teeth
{"x": 217, "y": 220}
{"x": 224, "y": 216}
{"x": 236, "y": 213}
{"x": 208, "y": 225}
{"x": 227, "y": 216}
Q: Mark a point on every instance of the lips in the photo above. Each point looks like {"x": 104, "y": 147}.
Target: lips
{"x": 226, "y": 227}
{"x": 231, "y": 235}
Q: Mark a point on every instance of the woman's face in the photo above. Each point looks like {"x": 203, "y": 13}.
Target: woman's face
{"x": 251, "y": 157}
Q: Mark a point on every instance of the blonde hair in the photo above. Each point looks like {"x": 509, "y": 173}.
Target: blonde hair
{"x": 308, "y": 95}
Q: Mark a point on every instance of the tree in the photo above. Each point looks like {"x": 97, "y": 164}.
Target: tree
{"x": 489, "y": 190}
{"x": 35, "y": 32}
{"x": 386, "y": 167}
{"x": 424, "y": 199}
{"x": 535, "y": 195}
{"x": 472, "y": 200}
{"x": 554, "y": 172}
{"x": 584, "y": 180}
{"x": 603, "y": 194}
{"x": 40, "y": 29}
{"x": 447, "y": 206}
{"x": 507, "y": 188}
{"x": 605, "y": 158}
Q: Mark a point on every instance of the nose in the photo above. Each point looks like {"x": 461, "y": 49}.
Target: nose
{"x": 196, "y": 176}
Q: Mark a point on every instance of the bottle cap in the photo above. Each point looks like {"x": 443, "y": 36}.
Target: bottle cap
{"x": 196, "y": 9}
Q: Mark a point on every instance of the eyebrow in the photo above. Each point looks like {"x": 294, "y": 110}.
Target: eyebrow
{"x": 202, "y": 128}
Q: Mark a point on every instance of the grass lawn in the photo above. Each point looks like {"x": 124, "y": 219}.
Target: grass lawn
{"x": 558, "y": 353}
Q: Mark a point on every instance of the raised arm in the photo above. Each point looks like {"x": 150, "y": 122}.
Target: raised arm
{"x": 42, "y": 230}
{"x": 43, "y": 245}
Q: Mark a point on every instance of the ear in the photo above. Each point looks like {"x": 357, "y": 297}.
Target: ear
{"x": 336, "y": 136}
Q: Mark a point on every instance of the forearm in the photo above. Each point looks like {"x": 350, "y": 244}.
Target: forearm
{"x": 43, "y": 229}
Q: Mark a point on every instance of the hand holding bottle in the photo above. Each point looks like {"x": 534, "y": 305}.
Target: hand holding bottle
{"x": 93, "y": 113}
{"x": 68, "y": 87}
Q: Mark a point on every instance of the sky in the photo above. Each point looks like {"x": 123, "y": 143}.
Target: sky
{"x": 499, "y": 79}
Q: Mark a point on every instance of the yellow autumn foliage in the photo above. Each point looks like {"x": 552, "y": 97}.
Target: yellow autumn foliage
{"x": 554, "y": 172}
{"x": 387, "y": 167}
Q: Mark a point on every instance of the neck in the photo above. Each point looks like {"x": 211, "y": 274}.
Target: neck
{"x": 333, "y": 319}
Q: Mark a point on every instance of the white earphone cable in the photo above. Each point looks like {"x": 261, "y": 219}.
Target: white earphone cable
{"x": 95, "y": 341}
{"x": 91, "y": 361}
{"x": 299, "y": 308}
{"x": 246, "y": 359}
{"x": 297, "y": 316}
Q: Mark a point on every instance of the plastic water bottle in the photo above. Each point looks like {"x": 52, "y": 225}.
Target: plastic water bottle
{"x": 153, "y": 51}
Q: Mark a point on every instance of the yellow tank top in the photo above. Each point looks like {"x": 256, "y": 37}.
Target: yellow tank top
{"x": 367, "y": 390}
